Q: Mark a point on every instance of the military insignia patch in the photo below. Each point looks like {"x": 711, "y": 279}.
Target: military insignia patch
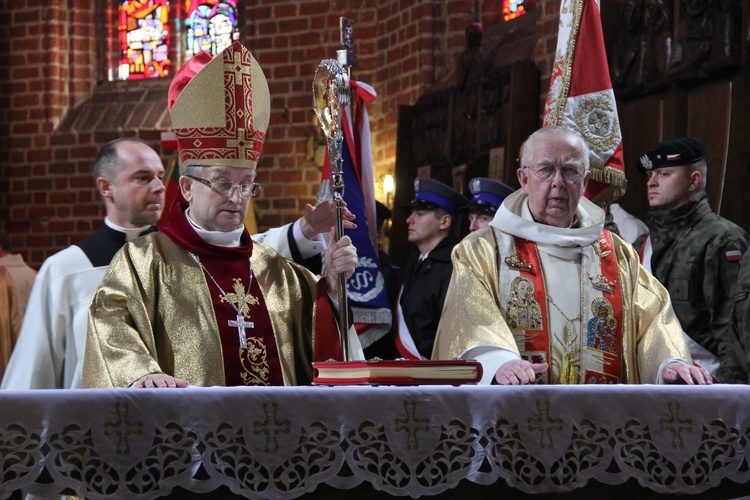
{"x": 646, "y": 162}
{"x": 733, "y": 255}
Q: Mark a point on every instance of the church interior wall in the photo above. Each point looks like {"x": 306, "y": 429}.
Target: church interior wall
{"x": 58, "y": 107}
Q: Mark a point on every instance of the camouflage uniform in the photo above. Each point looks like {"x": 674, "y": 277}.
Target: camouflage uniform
{"x": 742, "y": 313}
{"x": 696, "y": 257}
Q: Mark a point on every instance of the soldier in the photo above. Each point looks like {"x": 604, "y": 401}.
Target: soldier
{"x": 486, "y": 197}
{"x": 695, "y": 253}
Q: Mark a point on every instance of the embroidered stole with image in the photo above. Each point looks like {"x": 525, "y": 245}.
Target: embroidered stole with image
{"x": 592, "y": 355}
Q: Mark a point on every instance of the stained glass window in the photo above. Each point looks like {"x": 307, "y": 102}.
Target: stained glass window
{"x": 144, "y": 39}
{"x": 513, "y": 9}
{"x": 211, "y": 25}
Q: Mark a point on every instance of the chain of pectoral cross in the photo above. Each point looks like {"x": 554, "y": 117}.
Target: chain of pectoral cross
{"x": 242, "y": 298}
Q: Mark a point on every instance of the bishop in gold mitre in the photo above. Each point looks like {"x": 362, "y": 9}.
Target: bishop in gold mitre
{"x": 199, "y": 302}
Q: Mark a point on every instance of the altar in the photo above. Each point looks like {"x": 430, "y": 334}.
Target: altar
{"x": 401, "y": 441}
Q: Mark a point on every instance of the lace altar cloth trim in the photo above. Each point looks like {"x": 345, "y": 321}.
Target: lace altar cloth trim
{"x": 284, "y": 442}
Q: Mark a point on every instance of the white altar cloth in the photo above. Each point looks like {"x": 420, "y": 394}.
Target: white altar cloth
{"x": 407, "y": 441}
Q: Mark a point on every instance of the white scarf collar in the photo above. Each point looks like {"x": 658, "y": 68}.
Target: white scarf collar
{"x": 218, "y": 238}
{"x": 131, "y": 233}
{"x": 514, "y": 217}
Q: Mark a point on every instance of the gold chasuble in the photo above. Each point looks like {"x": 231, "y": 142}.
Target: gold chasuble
{"x": 576, "y": 298}
{"x": 172, "y": 303}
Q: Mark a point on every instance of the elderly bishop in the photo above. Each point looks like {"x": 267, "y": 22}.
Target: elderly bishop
{"x": 545, "y": 294}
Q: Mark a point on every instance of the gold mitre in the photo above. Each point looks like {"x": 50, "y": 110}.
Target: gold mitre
{"x": 220, "y": 108}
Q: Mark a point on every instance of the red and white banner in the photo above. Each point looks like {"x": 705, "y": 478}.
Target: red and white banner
{"x": 581, "y": 97}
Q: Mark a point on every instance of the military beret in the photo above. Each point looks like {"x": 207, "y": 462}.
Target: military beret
{"x": 486, "y": 195}
{"x": 681, "y": 151}
{"x": 431, "y": 194}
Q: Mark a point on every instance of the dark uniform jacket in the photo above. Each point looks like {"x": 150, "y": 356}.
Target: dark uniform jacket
{"x": 696, "y": 257}
{"x": 425, "y": 286}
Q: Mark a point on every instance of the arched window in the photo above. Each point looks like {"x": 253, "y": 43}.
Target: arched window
{"x": 211, "y": 25}
{"x": 513, "y": 9}
{"x": 151, "y": 31}
{"x": 144, "y": 39}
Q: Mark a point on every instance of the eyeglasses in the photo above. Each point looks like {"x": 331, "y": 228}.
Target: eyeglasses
{"x": 225, "y": 188}
{"x": 546, "y": 171}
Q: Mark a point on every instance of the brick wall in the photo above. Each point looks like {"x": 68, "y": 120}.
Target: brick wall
{"x": 55, "y": 115}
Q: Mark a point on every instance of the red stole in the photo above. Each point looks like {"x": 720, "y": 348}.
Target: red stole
{"x": 601, "y": 337}
{"x": 326, "y": 340}
{"x": 259, "y": 363}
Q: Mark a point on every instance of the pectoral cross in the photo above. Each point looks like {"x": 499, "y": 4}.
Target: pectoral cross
{"x": 241, "y": 301}
{"x": 241, "y": 324}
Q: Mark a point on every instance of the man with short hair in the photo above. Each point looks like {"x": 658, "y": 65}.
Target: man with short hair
{"x": 547, "y": 295}
{"x": 486, "y": 196}
{"x": 432, "y": 218}
{"x": 129, "y": 178}
{"x": 199, "y": 302}
{"x": 694, "y": 253}
{"x": 23, "y": 275}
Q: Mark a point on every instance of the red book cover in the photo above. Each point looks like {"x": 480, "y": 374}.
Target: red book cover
{"x": 397, "y": 372}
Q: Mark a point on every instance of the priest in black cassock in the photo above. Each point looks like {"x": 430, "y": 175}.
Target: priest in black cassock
{"x": 199, "y": 302}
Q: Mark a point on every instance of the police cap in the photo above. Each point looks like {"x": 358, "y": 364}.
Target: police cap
{"x": 431, "y": 194}
{"x": 486, "y": 195}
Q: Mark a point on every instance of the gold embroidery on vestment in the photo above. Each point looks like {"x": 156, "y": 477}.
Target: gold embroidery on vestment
{"x": 600, "y": 282}
{"x": 240, "y": 299}
{"x": 522, "y": 311}
{"x": 601, "y": 247}
{"x": 254, "y": 360}
{"x": 517, "y": 263}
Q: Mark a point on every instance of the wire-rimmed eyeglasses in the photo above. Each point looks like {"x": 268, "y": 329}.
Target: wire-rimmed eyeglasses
{"x": 225, "y": 188}
{"x": 546, "y": 171}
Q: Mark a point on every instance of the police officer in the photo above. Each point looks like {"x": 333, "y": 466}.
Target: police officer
{"x": 432, "y": 218}
{"x": 486, "y": 197}
{"x": 695, "y": 254}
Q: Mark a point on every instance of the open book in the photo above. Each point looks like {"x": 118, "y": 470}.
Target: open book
{"x": 397, "y": 372}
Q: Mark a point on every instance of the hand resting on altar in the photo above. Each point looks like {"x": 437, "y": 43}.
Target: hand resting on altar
{"x": 159, "y": 381}
{"x": 679, "y": 372}
{"x": 521, "y": 372}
